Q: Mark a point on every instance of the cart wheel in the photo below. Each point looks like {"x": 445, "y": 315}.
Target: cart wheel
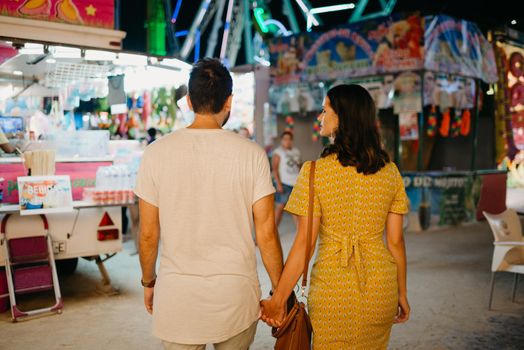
{"x": 67, "y": 266}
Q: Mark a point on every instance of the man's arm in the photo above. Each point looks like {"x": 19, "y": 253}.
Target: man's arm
{"x": 148, "y": 247}
{"x": 275, "y": 163}
{"x": 7, "y": 148}
{"x": 267, "y": 237}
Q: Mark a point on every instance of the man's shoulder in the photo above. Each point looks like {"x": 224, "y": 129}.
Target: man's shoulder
{"x": 244, "y": 144}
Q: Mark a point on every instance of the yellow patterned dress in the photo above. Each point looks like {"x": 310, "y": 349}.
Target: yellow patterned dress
{"x": 353, "y": 296}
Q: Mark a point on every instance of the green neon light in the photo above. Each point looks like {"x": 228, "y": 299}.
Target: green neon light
{"x": 259, "y": 17}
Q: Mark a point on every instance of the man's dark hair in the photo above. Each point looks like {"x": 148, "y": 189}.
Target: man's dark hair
{"x": 289, "y": 133}
{"x": 210, "y": 85}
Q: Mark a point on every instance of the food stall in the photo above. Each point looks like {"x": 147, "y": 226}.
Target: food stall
{"x": 68, "y": 110}
{"x": 426, "y": 76}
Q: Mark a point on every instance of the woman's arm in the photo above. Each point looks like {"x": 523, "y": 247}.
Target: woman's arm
{"x": 273, "y": 309}
{"x": 395, "y": 243}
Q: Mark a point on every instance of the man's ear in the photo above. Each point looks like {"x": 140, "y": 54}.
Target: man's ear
{"x": 229, "y": 102}
{"x": 189, "y": 103}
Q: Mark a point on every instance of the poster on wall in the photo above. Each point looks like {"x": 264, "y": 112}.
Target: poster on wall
{"x": 93, "y": 13}
{"x": 408, "y": 125}
{"x": 380, "y": 88}
{"x": 297, "y": 98}
{"x": 407, "y": 93}
{"x": 448, "y": 91}
{"x": 44, "y": 194}
{"x": 447, "y": 199}
{"x": 515, "y": 88}
{"x": 458, "y": 47}
{"x": 378, "y": 46}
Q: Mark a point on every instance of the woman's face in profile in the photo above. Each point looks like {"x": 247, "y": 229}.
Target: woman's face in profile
{"x": 328, "y": 119}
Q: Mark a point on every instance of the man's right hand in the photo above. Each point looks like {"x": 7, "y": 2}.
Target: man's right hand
{"x": 272, "y": 313}
{"x": 280, "y": 188}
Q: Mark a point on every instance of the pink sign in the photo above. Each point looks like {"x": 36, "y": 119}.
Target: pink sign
{"x": 93, "y": 13}
{"x": 6, "y": 52}
{"x": 81, "y": 174}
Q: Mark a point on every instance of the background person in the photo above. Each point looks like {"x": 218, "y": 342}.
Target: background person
{"x": 286, "y": 164}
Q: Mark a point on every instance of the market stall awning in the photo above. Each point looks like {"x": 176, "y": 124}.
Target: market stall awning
{"x": 60, "y": 33}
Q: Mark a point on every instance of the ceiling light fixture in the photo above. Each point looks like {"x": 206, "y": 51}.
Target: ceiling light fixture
{"x": 18, "y": 72}
{"x": 514, "y": 21}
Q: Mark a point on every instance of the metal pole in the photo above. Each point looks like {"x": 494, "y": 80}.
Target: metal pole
{"x": 226, "y": 29}
{"x": 474, "y": 140}
{"x": 287, "y": 9}
{"x": 248, "y": 34}
{"x": 421, "y": 124}
{"x": 213, "y": 38}
{"x": 190, "y": 39}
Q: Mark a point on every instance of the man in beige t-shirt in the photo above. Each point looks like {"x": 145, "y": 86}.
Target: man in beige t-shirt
{"x": 202, "y": 192}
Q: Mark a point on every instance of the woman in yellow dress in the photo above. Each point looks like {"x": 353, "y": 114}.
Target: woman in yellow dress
{"x": 358, "y": 285}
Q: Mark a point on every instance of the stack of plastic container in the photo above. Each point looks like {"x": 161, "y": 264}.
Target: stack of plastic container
{"x": 113, "y": 186}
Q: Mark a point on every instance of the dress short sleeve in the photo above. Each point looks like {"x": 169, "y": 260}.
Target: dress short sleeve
{"x": 146, "y": 183}
{"x": 399, "y": 205}
{"x": 298, "y": 203}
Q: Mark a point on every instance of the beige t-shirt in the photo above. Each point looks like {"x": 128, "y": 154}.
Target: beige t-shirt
{"x": 204, "y": 183}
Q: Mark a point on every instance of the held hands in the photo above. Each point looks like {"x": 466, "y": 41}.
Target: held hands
{"x": 403, "y": 310}
{"x": 280, "y": 188}
{"x": 273, "y": 313}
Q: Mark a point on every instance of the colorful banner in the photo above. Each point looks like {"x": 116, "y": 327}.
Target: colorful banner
{"x": 458, "y": 47}
{"x": 81, "y": 175}
{"x": 92, "y": 13}
{"x": 44, "y": 194}
{"x": 368, "y": 48}
{"x": 443, "y": 199}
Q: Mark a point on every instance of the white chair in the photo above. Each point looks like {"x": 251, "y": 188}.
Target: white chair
{"x": 508, "y": 255}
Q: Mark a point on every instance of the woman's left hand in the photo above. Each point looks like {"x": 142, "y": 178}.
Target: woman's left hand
{"x": 272, "y": 313}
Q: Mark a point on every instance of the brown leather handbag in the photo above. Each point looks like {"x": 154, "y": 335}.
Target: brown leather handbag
{"x": 295, "y": 332}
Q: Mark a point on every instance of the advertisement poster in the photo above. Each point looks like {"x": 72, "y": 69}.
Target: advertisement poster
{"x": 380, "y": 88}
{"x": 448, "y": 91}
{"x": 458, "y": 47}
{"x": 44, "y": 194}
{"x": 297, "y": 98}
{"x": 515, "y": 88}
{"x": 407, "y": 96}
{"x": 384, "y": 45}
{"x": 93, "y": 13}
{"x": 449, "y": 198}
{"x": 408, "y": 125}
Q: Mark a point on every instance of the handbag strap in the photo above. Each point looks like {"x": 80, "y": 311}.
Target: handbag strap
{"x": 309, "y": 225}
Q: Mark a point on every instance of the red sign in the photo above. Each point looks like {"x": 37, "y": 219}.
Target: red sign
{"x": 81, "y": 174}
{"x": 6, "y": 52}
{"x": 93, "y": 13}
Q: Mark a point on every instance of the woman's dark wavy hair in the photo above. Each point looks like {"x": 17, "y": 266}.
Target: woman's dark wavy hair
{"x": 357, "y": 140}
